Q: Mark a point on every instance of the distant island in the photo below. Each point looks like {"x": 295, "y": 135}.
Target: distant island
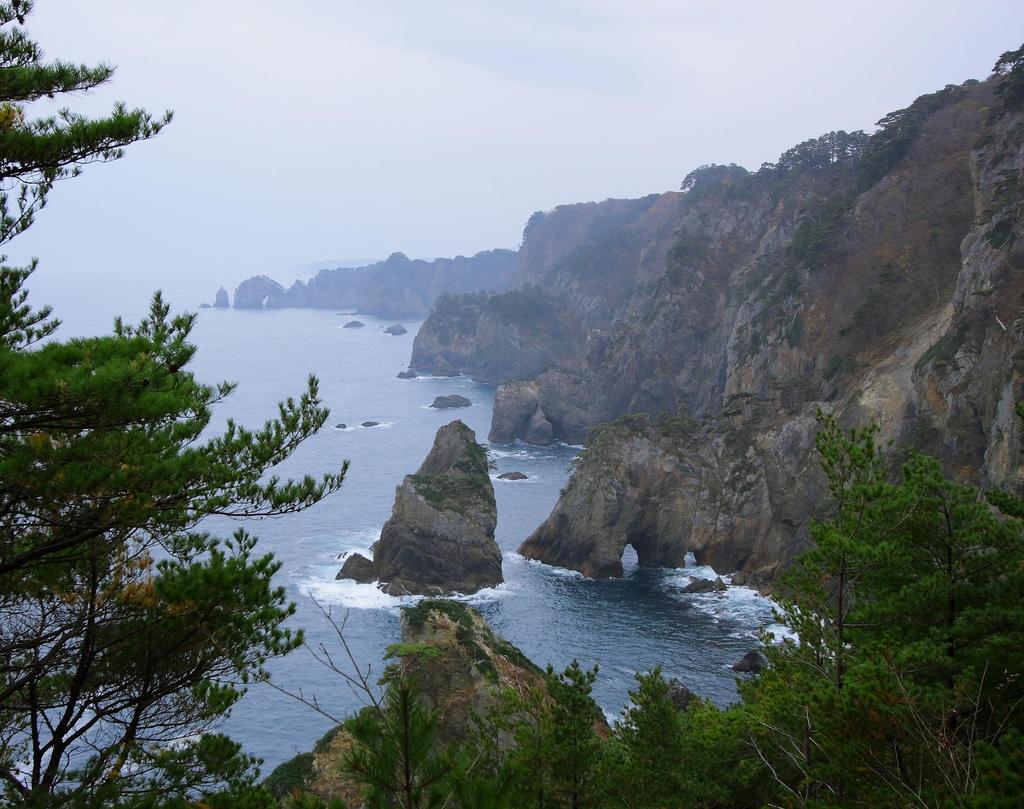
{"x": 398, "y": 287}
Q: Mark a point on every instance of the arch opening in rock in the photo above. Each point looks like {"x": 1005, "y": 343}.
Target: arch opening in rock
{"x": 630, "y": 559}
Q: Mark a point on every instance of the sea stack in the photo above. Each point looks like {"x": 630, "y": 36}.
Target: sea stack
{"x": 440, "y": 536}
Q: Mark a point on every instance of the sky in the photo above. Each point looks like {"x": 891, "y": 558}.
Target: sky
{"x": 320, "y": 130}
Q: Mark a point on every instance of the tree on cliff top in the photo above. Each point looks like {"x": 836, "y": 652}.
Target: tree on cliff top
{"x": 126, "y": 631}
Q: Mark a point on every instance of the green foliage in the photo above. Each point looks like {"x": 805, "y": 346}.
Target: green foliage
{"x": 897, "y": 133}
{"x": 529, "y": 305}
{"x": 127, "y": 632}
{"x": 908, "y": 613}
{"x": 394, "y": 755}
{"x": 425, "y": 651}
{"x": 290, "y": 776}
{"x": 37, "y": 153}
{"x": 1009, "y": 69}
{"x": 466, "y": 630}
{"x": 554, "y": 762}
{"x": 818, "y": 153}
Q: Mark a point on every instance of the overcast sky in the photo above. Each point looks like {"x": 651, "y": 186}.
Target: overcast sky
{"x": 321, "y": 129}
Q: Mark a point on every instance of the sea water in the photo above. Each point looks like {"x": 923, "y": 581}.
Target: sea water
{"x": 622, "y": 626}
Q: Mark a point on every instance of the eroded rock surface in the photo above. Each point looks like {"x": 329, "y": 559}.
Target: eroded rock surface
{"x": 440, "y": 536}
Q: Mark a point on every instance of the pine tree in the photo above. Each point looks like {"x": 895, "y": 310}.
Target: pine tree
{"x": 394, "y": 753}
{"x": 126, "y": 630}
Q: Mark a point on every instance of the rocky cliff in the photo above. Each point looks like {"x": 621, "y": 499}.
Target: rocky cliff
{"x": 440, "y": 536}
{"x": 876, "y": 276}
{"x": 398, "y": 287}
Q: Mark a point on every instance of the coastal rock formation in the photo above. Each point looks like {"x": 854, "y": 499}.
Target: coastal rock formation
{"x": 512, "y": 476}
{"x": 398, "y": 287}
{"x": 451, "y": 401}
{"x": 407, "y": 374}
{"x": 877, "y": 277}
{"x": 354, "y": 324}
{"x": 396, "y": 330}
{"x": 440, "y": 536}
{"x": 469, "y": 668}
{"x": 257, "y": 292}
{"x": 736, "y": 493}
{"x": 358, "y": 568}
{"x": 221, "y": 301}
{"x": 705, "y": 586}
{"x": 461, "y": 668}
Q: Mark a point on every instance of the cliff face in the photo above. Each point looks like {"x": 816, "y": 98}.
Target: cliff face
{"x": 578, "y": 267}
{"x": 398, "y": 287}
{"x": 879, "y": 277}
{"x": 440, "y": 536}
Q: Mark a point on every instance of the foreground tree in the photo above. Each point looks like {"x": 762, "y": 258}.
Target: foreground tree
{"x": 126, "y": 630}
{"x": 906, "y": 673}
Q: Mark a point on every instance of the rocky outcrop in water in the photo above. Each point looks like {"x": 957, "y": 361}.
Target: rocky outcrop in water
{"x": 440, "y": 536}
{"x": 735, "y": 493}
{"x": 220, "y": 300}
{"x": 396, "y": 330}
{"x": 449, "y": 402}
{"x": 257, "y": 292}
{"x": 358, "y": 568}
{"x": 398, "y": 287}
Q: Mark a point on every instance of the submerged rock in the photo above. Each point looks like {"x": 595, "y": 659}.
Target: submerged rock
{"x": 440, "y": 536}
{"x": 512, "y": 476}
{"x": 341, "y": 426}
{"x": 448, "y": 402}
{"x": 358, "y": 568}
{"x": 705, "y": 586}
{"x": 753, "y": 662}
{"x": 410, "y": 374}
{"x": 354, "y": 324}
{"x": 396, "y": 329}
{"x": 370, "y": 424}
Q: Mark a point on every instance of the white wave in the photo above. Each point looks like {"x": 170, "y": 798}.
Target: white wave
{"x": 564, "y": 572}
{"x": 487, "y": 595}
{"x": 327, "y": 590}
{"x": 320, "y": 584}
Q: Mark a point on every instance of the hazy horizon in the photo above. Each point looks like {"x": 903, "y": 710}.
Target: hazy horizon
{"x": 344, "y": 130}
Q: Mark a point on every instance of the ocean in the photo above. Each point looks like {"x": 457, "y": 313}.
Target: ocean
{"x": 634, "y": 623}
